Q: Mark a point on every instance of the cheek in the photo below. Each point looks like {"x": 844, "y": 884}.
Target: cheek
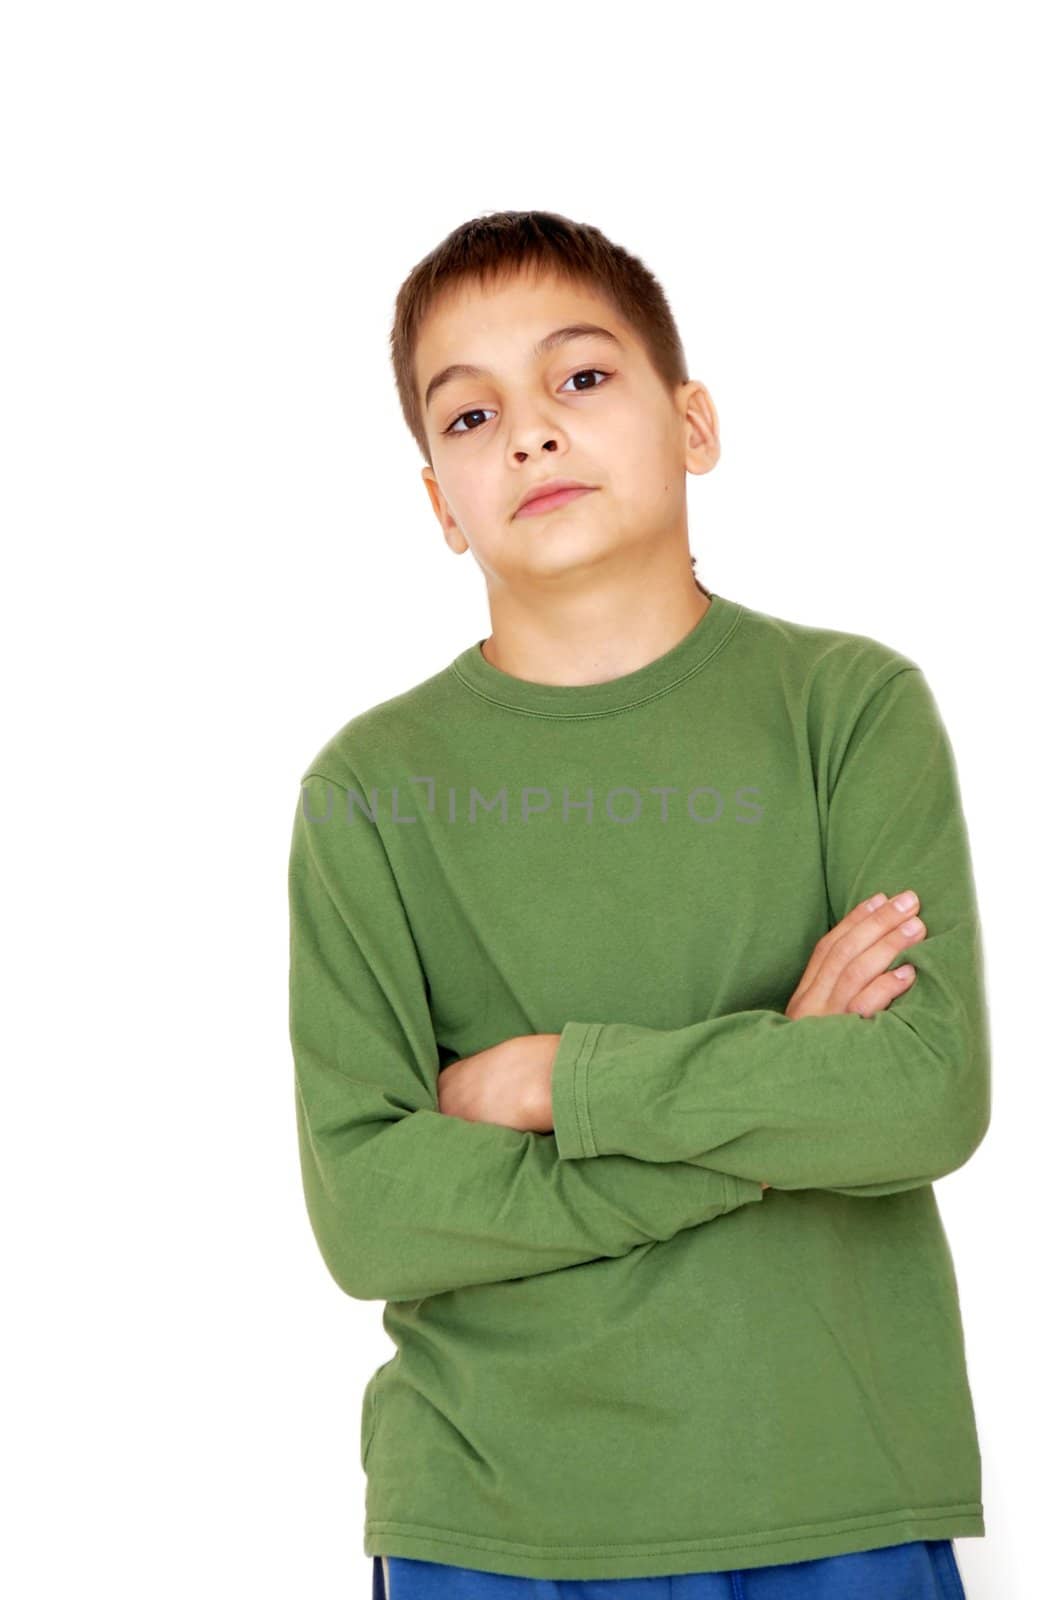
{"x": 637, "y": 472}
{"x": 628, "y": 442}
{"x": 471, "y": 491}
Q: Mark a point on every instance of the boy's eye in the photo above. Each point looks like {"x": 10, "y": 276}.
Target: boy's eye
{"x": 454, "y": 427}
{"x": 585, "y": 372}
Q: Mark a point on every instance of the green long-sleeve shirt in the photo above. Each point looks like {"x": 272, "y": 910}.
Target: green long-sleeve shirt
{"x": 616, "y": 1355}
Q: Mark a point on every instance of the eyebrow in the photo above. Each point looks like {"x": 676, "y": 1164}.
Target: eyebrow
{"x": 550, "y": 341}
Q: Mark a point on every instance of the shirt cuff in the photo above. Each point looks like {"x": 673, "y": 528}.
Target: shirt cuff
{"x": 569, "y": 1077}
{"x": 571, "y": 1110}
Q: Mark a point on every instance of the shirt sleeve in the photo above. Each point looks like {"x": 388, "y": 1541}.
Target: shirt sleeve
{"x": 406, "y": 1201}
{"x": 865, "y": 1106}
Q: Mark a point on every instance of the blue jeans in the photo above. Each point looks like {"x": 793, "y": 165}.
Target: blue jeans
{"x": 922, "y": 1569}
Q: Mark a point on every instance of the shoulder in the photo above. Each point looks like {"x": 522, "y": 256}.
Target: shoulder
{"x": 815, "y": 664}
{"x": 374, "y": 734}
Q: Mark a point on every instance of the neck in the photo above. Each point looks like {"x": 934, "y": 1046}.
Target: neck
{"x": 594, "y": 636}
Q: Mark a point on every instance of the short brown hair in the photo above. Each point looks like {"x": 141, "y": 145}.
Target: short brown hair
{"x": 496, "y": 246}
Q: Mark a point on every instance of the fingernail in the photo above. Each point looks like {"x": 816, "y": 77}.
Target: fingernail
{"x": 915, "y": 925}
{"x": 905, "y": 901}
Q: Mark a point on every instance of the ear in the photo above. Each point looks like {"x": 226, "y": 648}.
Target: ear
{"x": 702, "y": 428}
{"x": 454, "y": 537}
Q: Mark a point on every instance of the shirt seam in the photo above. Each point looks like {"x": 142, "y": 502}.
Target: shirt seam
{"x": 736, "y": 1195}
{"x": 869, "y": 696}
{"x": 609, "y": 711}
{"x": 579, "y": 1087}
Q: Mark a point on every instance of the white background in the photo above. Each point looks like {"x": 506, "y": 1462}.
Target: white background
{"x": 220, "y": 549}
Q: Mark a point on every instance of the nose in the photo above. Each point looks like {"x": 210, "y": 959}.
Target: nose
{"x": 548, "y": 444}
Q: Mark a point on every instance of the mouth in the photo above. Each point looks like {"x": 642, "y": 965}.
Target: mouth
{"x": 550, "y": 501}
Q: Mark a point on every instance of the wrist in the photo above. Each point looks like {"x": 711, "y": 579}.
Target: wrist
{"x": 541, "y": 1111}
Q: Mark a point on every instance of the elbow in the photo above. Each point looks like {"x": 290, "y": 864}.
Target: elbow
{"x": 349, "y": 1270}
{"x": 353, "y": 1278}
{"x": 974, "y": 1126}
{"x": 966, "y": 1107}
{"x": 354, "y": 1272}
{"x": 359, "y": 1251}
{"x": 948, "y": 1048}
{"x": 355, "y": 1254}
{"x": 343, "y": 1236}
{"x": 345, "y": 1213}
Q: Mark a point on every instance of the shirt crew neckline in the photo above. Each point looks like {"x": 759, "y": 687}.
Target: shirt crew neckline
{"x": 708, "y": 635}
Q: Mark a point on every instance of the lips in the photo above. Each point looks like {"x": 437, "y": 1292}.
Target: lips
{"x": 552, "y": 497}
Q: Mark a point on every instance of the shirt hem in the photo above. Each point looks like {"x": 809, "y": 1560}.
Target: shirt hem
{"x": 808, "y": 1542}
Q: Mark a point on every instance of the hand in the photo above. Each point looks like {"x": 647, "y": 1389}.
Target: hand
{"x": 508, "y": 1084}
{"x": 846, "y": 972}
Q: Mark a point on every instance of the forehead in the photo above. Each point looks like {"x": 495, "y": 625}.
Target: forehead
{"x": 495, "y": 326}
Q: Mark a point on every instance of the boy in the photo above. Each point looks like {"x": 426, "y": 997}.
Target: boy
{"x": 612, "y": 1078}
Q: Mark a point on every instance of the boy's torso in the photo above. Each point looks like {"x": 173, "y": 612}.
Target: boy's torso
{"x": 788, "y": 1379}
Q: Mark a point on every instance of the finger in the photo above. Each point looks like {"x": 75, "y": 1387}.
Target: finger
{"x": 878, "y": 995}
{"x": 871, "y": 963}
{"x": 866, "y": 934}
{"x": 856, "y": 915}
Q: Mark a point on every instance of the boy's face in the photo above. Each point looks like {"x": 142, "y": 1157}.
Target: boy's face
{"x": 529, "y": 417}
